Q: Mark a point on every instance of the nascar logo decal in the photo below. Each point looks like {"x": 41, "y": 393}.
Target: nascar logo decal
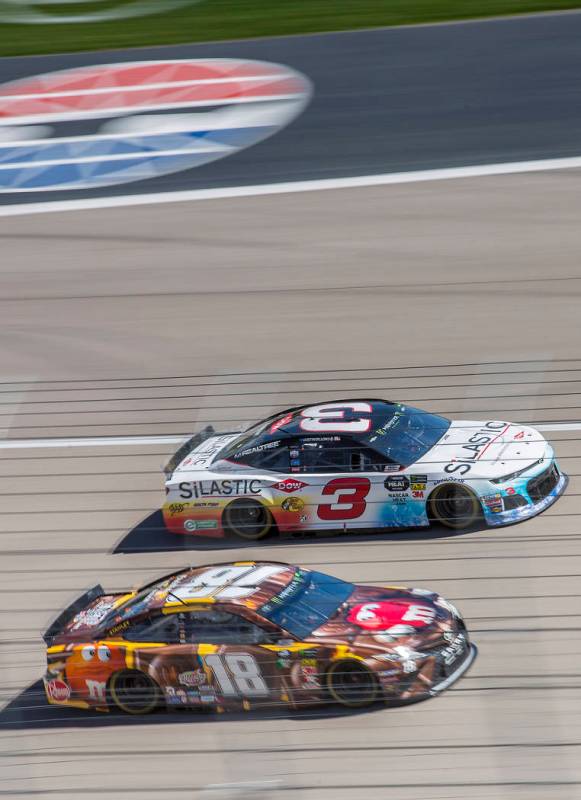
{"x": 104, "y": 125}
{"x": 30, "y": 12}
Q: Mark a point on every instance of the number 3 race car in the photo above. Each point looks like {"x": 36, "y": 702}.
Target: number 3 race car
{"x": 358, "y": 464}
{"x": 253, "y": 633}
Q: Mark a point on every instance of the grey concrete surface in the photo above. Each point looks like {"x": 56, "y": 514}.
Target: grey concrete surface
{"x": 390, "y": 100}
{"x": 462, "y": 296}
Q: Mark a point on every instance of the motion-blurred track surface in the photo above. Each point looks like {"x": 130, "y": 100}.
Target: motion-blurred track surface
{"x": 460, "y": 297}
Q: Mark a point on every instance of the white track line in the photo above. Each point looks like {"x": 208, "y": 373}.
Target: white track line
{"x": 129, "y": 441}
{"x": 107, "y": 441}
{"x": 475, "y": 171}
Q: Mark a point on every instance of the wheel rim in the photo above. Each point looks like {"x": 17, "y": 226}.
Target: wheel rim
{"x": 249, "y": 520}
{"x": 351, "y": 684}
{"x": 134, "y": 692}
{"x": 454, "y": 506}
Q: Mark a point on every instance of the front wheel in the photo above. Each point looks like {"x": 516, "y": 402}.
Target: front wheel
{"x": 351, "y": 684}
{"x": 454, "y": 506}
{"x": 134, "y": 692}
{"x": 248, "y": 519}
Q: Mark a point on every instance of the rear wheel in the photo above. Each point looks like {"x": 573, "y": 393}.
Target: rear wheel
{"x": 248, "y": 519}
{"x": 134, "y": 692}
{"x": 454, "y": 505}
{"x": 351, "y": 684}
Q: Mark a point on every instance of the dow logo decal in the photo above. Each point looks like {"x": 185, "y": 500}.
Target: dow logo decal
{"x": 34, "y": 12}
{"x": 110, "y": 124}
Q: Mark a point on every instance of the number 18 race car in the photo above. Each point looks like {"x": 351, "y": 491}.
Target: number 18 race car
{"x": 253, "y": 633}
{"x": 358, "y": 464}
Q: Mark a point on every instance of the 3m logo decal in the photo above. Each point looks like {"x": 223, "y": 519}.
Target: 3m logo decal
{"x": 109, "y": 124}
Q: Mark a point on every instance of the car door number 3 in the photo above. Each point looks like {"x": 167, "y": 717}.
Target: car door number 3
{"x": 349, "y": 498}
{"x": 237, "y": 674}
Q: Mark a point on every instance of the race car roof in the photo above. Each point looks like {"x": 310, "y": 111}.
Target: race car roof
{"x": 330, "y": 416}
{"x": 249, "y": 583}
{"x": 399, "y": 433}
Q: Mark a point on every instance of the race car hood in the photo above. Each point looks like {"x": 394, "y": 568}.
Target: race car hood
{"x": 484, "y": 450}
{"x": 388, "y": 615}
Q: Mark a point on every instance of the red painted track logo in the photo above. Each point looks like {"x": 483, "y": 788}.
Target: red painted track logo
{"x": 103, "y": 125}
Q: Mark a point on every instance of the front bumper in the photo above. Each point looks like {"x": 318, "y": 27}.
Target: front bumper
{"x": 531, "y": 509}
{"x": 437, "y": 670}
{"x": 464, "y": 666}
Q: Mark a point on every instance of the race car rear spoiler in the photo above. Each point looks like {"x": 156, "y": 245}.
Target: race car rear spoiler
{"x": 67, "y": 615}
{"x": 192, "y": 443}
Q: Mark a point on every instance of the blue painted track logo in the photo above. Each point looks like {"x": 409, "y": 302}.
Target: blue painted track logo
{"x": 105, "y": 125}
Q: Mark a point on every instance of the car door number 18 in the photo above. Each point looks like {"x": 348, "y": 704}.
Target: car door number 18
{"x": 237, "y": 674}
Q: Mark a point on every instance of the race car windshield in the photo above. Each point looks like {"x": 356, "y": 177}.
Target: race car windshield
{"x": 307, "y": 602}
{"x": 408, "y": 435}
{"x": 251, "y": 436}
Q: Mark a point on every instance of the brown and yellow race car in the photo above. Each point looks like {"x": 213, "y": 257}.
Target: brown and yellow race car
{"x": 253, "y": 633}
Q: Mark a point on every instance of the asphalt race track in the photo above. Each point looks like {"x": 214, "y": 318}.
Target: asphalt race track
{"x": 461, "y": 296}
{"x": 388, "y": 100}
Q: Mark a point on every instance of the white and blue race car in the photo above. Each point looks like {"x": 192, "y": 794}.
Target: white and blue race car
{"x": 359, "y": 464}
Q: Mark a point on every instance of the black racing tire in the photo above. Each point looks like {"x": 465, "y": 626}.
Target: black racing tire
{"x": 454, "y": 506}
{"x": 248, "y": 519}
{"x": 351, "y": 684}
{"x": 134, "y": 692}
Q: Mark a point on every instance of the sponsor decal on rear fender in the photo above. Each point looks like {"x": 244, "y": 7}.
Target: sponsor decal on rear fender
{"x": 58, "y": 690}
